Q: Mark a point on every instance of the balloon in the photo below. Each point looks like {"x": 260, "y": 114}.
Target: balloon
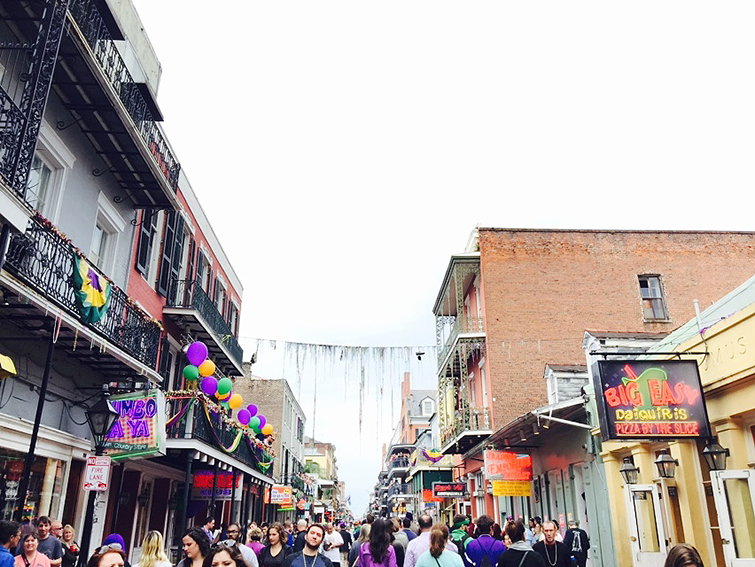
{"x": 196, "y": 353}
{"x": 191, "y": 372}
{"x": 235, "y": 401}
{"x": 243, "y": 417}
{"x": 254, "y": 423}
{"x": 268, "y": 429}
{"x": 263, "y": 421}
{"x": 207, "y": 368}
{"x": 210, "y": 385}
{"x": 225, "y": 385}
{"x": 223, "y": 397}
{"x": 252, "y": 409}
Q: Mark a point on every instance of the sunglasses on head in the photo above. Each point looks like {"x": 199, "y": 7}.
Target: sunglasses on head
{"x": 225, "y": 543}
{"x": 110, "y": 547}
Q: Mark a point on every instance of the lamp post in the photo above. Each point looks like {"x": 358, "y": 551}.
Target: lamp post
{"x": 101, "y": 417}
{"x": 715, "y": 455}
{"x": 666, "y": 464}
{"x": 629, "y": 472}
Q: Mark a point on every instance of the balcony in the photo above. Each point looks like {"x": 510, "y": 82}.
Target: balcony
{"x": 43, "y": 260}
{"x": 192, "y": 309}
{"x": 399, "y": 489}
{"x": 464, "y": 327}
{"x": 469, "y": 427}
{"x": 210, "y": 428}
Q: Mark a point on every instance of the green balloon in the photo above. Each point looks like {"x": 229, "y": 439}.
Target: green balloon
{"x": 254, "y": 423}
{"x": 224, "y": 385}
{"x": 191, "y": 372}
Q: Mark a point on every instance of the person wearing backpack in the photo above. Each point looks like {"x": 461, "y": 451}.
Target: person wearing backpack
{"x": 485, "y": 550}
{"x": 459, "y": 535}
{"x": 519, "y": 553}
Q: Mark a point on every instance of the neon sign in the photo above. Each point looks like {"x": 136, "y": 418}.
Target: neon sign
{"x": 140, "y": 429}
{"x": 651, "y": 399}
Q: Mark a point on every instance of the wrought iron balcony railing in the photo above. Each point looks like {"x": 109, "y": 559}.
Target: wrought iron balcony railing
{"x": 399, "y": 488}
{"x": 472, "y": 419}
{"x": 42, "y": 259}
{"x": 11, "y": 123}
{"x": 92, "y": 26}
{"x": 462, "y": 325}
{"x": 214, "y": 432}
{"x": 188, "y": 294}
{"x": 400, "y": 462}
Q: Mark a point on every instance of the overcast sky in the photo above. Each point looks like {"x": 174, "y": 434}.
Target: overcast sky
{"x": 343, "y": 150}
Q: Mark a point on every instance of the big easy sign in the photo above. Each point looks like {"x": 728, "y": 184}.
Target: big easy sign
{"x": 651, "y": 399}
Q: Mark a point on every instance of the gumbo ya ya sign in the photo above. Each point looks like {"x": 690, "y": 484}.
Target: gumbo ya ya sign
{"x": 652, "y": 399}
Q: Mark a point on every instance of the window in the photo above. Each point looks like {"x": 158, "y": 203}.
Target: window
{"x": 483, "y": 383}
{"x": 100, "y": 245}
{"x": 107, "y": 226}
{"x": 653, "y": 304}
{"x": 49, "y": 168}
{"x": 38, "y": 187}
{"x": 427, "y": 407}
{"x": 147, "y": 229}
{"x": 170, "y": 258}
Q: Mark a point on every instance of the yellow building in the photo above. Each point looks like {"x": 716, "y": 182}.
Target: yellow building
{"x": 710, "y": 509}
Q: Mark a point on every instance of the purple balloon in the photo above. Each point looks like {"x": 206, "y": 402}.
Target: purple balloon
{"x": 244, "y": 416}
{"x": 252, "y": 410}
{"x": 197, "y": 353}
{"x": 263, "y": 421}
{"x": 210, "y": 385}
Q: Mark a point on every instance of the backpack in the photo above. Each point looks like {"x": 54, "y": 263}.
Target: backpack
{"x": 486, "y": 555}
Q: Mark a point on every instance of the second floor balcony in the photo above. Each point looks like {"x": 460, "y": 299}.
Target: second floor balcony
{"x": 399, "y": 489}
{"x": 45, "y": 260}
{"x": 192, "y": 309}
{"x": 468, "y": 427}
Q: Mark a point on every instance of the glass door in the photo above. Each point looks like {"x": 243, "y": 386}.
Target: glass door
{"x": 734, "y": 495}
{"x": 647, "y": 534}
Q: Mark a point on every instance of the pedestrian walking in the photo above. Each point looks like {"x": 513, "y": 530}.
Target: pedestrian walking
{"x": 346, "y": 547}
{"x": 255, "y": 540}
{"x": 233, "y": 531}
{"x": 577, "y": 542}
{"x": 379, "y": 550}
{"x": 310, "y": 556}
{"x": 196, "y": 546}
{"x": 485, "y": 550}
{"x": 153, "y": 551}
{"x": 421, "y": 543}
{"x": 301, "y": 529}
{"x": 276, "y": 550}
{"x": 364, "y": 537}
{"x": 683, "y": 555}
{"x": 520, "y": 552}
{"x": 554, "y": 552}
{"x": 10, "y": 535}
{"x": 438, "y": 555}
{"x": 71, "y": 549}
{"x": 331, "y": 545}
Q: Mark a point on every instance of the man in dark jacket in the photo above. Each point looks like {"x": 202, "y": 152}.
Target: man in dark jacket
{"x": 554, "y": 552}
{"x": 577, "y": 542}
{"x": 301, "y": 528}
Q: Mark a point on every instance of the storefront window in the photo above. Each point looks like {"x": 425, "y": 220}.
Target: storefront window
{"x": 45, "y": 485}
{"x": 742, "y": 516}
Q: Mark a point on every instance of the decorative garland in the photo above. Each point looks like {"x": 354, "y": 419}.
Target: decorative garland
{"x": 234, "y": 445}
{"x": 432, "y": 455}
{"x": 180, "y": 413}
{"x": 413, "y": 458}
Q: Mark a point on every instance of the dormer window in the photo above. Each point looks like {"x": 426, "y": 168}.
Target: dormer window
{"x": 427, "y": 407}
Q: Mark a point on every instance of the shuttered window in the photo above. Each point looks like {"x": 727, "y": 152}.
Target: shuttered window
{"x": 170, "y": 259}
{"x": 147, "y": 228}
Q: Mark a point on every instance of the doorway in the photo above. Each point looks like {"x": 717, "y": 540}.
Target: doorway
{"x": 734, "y": 495}
{"x": 646, "y": 528}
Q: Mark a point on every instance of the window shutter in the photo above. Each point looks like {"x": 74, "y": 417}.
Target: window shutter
{"x": 175, "y": 267}
{"x": 169, "y": 239}
{"x": 144, "y": 248}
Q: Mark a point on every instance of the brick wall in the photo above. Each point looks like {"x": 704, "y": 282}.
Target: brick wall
{"x": 543, "y": 289}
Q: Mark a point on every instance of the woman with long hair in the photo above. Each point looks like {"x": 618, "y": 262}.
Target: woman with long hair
{"x": 255, "y": 540}
{"x": 153, "y": 551}
{"x": 71, "y": 549}
{"x": 378, "y": 551}
{"x": 438, "y": 555}
{"x": 222, "y": 555}
{"x": 363, "y": 537}
{"x": 30, "y": 556}
{"x": 196, "y": 546}
{"x": 520, "y": 552}
{"x": 683, "y": 555}
{"x": 276, "y": 550}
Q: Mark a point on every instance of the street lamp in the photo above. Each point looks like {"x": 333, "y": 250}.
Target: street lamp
{"x": 715, "y": 455}
{"x": 666, "y": 464}
{"x": 629, "y": 472}
{"x": 101, "y": 417}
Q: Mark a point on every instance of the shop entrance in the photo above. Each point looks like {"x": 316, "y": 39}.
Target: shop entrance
{"x": 734, "y": 495}
{"x": 647, "y": 534}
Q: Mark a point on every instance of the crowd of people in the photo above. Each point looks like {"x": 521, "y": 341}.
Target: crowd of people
{"x": 375, "y": 542}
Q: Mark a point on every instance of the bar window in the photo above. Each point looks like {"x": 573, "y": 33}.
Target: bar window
{"x": 653, "y": 303}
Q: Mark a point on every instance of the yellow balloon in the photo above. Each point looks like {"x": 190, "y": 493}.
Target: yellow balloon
{"x": 207, "y": 368}
{"x": 223, "y": 397}
{"x": 267, "y": 429}
{"x": 236, "y": 401}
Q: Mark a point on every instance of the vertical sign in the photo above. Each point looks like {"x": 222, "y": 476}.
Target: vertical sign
{"x": 97, "y": 474}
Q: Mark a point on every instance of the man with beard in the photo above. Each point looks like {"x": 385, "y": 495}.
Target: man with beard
{"x": 553, "y": 552}
{"x": 247, "y": 554}
{"x": 310, "y": 556}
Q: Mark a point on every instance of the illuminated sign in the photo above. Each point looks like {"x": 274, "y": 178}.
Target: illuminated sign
{"x": 140, "y": 430}
{"x": 507, "y": 465}
{"x": 282, "y": 495}
{"x": 449, "y": 489}
{"x": 427, "y": 496}
{"x": 201, "y": 488}
{"x": 651, "y": 399}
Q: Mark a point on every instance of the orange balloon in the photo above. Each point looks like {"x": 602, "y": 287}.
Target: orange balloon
{"x": 223, "y": 397}
{"x": 267, "y": 429}
{"x": 236, "y": 401}
{"x": 207, "y": 368}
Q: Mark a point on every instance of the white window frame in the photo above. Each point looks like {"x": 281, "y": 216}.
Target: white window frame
{"x": 113, "y": 225}
{"x": 156, "y": 251}
{"x": 472, "y": 390}
{"x": 661, "y": 298}
{"x": 58, "y": 158}
{"x": 427, "y": 403}
{"x": 484, "y": 384}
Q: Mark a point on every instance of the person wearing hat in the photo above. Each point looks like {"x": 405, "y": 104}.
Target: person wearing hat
{"x": 577, "y": 542}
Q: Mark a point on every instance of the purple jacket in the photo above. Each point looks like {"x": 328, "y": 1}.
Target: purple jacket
{"x": 365, "y": 557}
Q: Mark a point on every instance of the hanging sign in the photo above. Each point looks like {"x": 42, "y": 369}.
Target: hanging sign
{"x": 512, "y": 488}
{"x": 449, "y": 489}
{"x": 140, "y": 430}
{"x": 507, "y": 465}
{"x": 282, "y": 495}
{"x": 97, "y": 474}
{"x": 201, "y": 488}
{"x": 651, "y": 399}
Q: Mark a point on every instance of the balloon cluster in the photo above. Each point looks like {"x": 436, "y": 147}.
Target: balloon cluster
{"x": 200, "y": 365}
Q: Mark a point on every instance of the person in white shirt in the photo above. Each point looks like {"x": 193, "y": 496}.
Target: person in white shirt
{"x": 247, "y": 553}
{"x": 331, "y": 545}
